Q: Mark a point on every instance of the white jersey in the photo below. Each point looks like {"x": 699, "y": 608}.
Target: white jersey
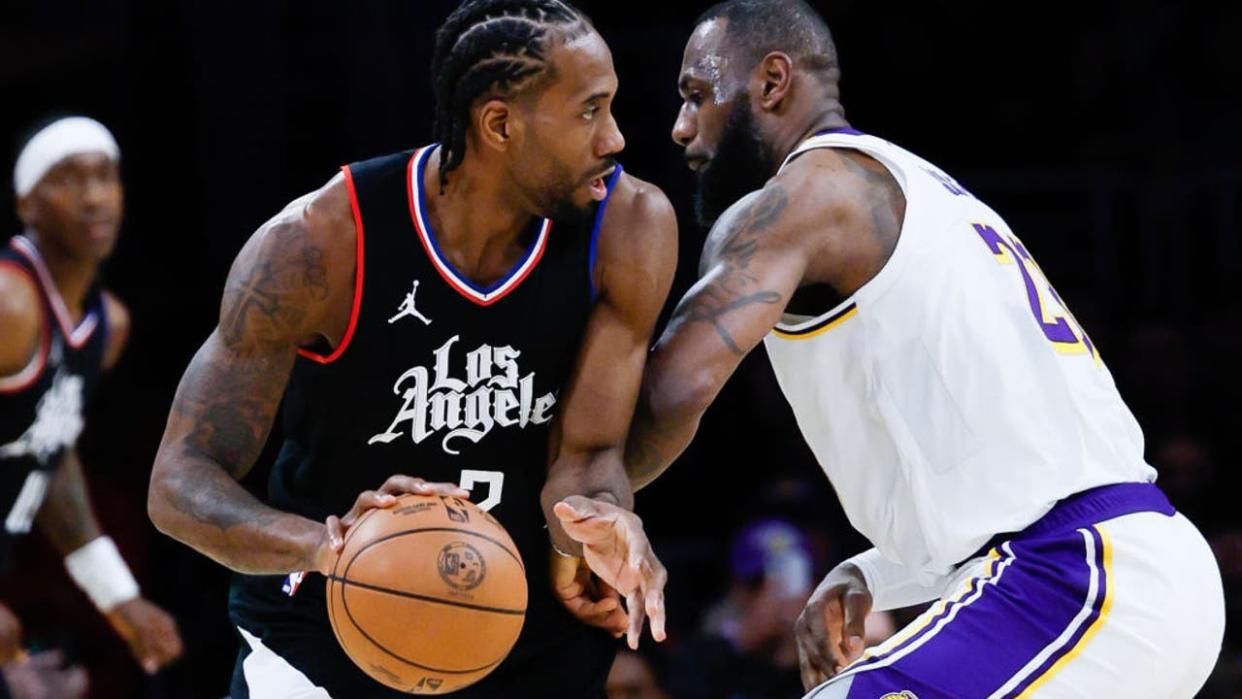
{"x": 953, "y": 397}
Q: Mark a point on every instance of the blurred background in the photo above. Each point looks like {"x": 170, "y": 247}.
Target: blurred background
{"x": 1107, "y": 136}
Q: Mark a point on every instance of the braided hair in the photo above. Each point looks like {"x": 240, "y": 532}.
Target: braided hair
{"x": 486, "y": 46}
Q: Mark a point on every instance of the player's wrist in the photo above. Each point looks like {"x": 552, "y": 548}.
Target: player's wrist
{"x": 99, "y": 570}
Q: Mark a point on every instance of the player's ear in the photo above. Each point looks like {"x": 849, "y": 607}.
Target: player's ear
{"x": 496, "y": 124}
{"x": 775, "y": 75}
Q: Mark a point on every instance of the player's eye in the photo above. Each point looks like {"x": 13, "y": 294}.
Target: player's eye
{"x": 590, "y": 111}
{"x": 695, "y": 98}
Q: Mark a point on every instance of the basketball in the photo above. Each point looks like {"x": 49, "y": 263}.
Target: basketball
{"x": 429, "y": 595}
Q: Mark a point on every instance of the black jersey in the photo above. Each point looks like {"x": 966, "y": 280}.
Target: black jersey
{"x": 440, "y": 378}
{"x": 41, "y": 407}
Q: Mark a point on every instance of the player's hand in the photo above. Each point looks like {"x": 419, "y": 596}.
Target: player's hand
{"x": 830, "y": 629}
{"x": 10, "y": 635}
{"x": 150, "y": 632}
{"x": 615, "y": 546}
{"x": 334, "y": 535}
{"x": 593, "y": 601}
{"x": 43, "y": 676}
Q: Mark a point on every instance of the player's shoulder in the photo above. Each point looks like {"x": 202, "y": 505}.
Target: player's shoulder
{"x": 641, "y": 207}
{"x": 638, "y": 233}
{"x": 321, "y": 221}
{"x": 21, "y": 316}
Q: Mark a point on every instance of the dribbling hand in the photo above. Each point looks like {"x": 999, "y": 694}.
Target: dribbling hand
{"x": 149, "y": 631}
{"x": 615, "y": 546}
{"x": 336, "y": 527}
{"x": 831, "y": 628}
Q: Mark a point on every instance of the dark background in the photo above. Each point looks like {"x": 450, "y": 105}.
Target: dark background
{"x": 1107, "y": 136}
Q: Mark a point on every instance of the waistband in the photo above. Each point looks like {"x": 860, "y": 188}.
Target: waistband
{"x": 1089, "y": 507}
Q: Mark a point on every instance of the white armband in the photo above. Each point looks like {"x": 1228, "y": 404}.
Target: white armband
{"x": 99, "y": 570}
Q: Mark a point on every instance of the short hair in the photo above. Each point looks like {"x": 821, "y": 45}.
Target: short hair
{"x": 758, "y": 27}
{"x": 488, "y": 46}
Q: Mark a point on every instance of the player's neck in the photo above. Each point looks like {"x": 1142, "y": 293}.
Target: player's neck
{"x": 806, "y": 121}
{"x": 477, "y": 219}
{"x": 72, "y": 276}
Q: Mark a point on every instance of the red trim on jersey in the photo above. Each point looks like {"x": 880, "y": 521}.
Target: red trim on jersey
{"x": 39, "y": 362}
{"x": 424, "y": 237}
{"x": 76, "y": 337}
{"x": 359, "y": 265}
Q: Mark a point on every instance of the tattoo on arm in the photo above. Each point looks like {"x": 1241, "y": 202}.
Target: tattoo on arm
{"x": 227, "y": 402}
{"x": 731, "y": 255}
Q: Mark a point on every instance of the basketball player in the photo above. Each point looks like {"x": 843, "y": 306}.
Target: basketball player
{"x": 61, "y": 331}
{"x": 963, "y": 415}
{"x": 477, "y": 311}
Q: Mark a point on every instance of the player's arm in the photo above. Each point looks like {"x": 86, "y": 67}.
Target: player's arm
{"x": 20, "y": 319}
{"x": 751, "y": 265}
{"x": 92, "y": 559}
{"x": 281, "y": 294}
{"x": 587, "y": 490}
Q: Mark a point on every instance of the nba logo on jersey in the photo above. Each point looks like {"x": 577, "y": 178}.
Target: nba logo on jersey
{"x": 900, "y": 695}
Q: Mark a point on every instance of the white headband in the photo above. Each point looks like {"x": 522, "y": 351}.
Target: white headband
{"x": 59, "y": 140}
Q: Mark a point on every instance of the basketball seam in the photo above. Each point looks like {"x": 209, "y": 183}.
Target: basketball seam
{"x": 467, "y": 532}
{"x": 377, "y": 644}
{"x": 427, "y": 598}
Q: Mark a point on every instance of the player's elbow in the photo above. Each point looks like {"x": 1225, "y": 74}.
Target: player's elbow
{"x": 159, "y": 508}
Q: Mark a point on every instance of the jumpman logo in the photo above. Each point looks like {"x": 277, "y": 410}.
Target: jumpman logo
{"x": 407, "y": 308}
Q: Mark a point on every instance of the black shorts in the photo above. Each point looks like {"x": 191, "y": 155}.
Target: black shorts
{"x": 288, "y": 649}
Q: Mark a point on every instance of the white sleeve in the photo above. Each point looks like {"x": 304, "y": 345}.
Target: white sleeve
{"x": 894, "y": 586}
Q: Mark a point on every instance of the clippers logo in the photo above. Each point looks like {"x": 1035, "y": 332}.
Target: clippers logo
{"x": 461, "y": 566}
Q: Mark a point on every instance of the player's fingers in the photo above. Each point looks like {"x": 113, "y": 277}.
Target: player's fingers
{"x": 367, "y": 500}
{"x": 634, "y": 605}
{"x": 336, "y": 533}
{"x": 582, "y": 526}
{"x": 653, "y": 595}
{"x": 811, "y": 677}
{"x": 813, "y": 643}
{"x": 401, "y": 484}
{"x": 855, "y": 605}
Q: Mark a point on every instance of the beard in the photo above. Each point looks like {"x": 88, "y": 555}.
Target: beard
{"x": 739, "y": 167}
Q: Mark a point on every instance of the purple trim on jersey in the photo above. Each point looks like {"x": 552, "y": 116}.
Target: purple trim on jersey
{"x": 431, "y": 235}
{"x": 599, "y": 219}
{"x": 844, "y": 130}
{"x": 1039, "y": 602}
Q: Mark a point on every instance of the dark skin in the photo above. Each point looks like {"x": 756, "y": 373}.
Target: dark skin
{"x": 73, "y": 216}
{"x": 831, "y": 219}
{"x": 292, "y": 287}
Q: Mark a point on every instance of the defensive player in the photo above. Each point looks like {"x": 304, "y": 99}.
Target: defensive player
{"x": 963, "y": 415}
{"x": 477, "y": 311}
{"x": 61, "y": 330}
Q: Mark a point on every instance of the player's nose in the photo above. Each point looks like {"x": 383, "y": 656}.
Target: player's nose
{"x": 683, "y": 128}
{"x": 611, "y": 140}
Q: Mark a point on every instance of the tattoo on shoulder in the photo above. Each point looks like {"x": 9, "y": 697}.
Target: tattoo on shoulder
{"x": 266, "y": 299}
{"x": 732, "y": 253}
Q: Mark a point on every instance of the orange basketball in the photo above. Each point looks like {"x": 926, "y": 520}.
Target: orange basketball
{"x": 428, "y": 596}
